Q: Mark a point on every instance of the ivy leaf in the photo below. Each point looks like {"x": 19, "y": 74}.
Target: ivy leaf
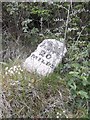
{"x": 85, "y": 81}
{"x": 72, "y": 84}
{"x": 83, "y": 94}
{"x": 74, "y": 74}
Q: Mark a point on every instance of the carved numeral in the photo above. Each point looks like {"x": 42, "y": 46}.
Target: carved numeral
{"x": 42, "y": 53}
{"x": 48, "y": 56}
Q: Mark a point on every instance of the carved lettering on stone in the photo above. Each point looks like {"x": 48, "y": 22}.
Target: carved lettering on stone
{"x": 46, "y": 57}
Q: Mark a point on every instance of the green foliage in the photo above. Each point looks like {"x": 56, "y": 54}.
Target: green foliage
{"x": 25, "y": 25}
{"x": 77, "y": 77}
{"x": 39, "y": 11}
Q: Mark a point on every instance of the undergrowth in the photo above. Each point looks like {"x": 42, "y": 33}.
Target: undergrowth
{"x": 63, "y": 94}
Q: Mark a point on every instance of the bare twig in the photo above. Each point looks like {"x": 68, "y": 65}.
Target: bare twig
{"x": 80, "y": 33}
{"x": 67, "y": 21}
{"x": 65, "y": 35}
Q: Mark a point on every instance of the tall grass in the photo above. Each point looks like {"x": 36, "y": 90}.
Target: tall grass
{"x": 30, "y": 95}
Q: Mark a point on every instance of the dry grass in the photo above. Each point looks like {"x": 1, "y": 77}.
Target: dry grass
{"x": 32, "y": 96}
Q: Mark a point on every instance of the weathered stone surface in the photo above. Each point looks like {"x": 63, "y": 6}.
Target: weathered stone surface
{"x": 46, "y": 57}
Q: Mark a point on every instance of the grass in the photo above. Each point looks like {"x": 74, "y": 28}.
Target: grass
{"x": 30, "y": 95}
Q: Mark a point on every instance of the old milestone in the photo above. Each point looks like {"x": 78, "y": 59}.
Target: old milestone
{"x": 46, "y": 57}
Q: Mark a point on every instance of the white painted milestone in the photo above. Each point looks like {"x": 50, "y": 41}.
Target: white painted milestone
{"x": 46, "y": 57}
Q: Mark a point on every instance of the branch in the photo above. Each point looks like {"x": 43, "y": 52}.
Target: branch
{"x": 67, "y": 21}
